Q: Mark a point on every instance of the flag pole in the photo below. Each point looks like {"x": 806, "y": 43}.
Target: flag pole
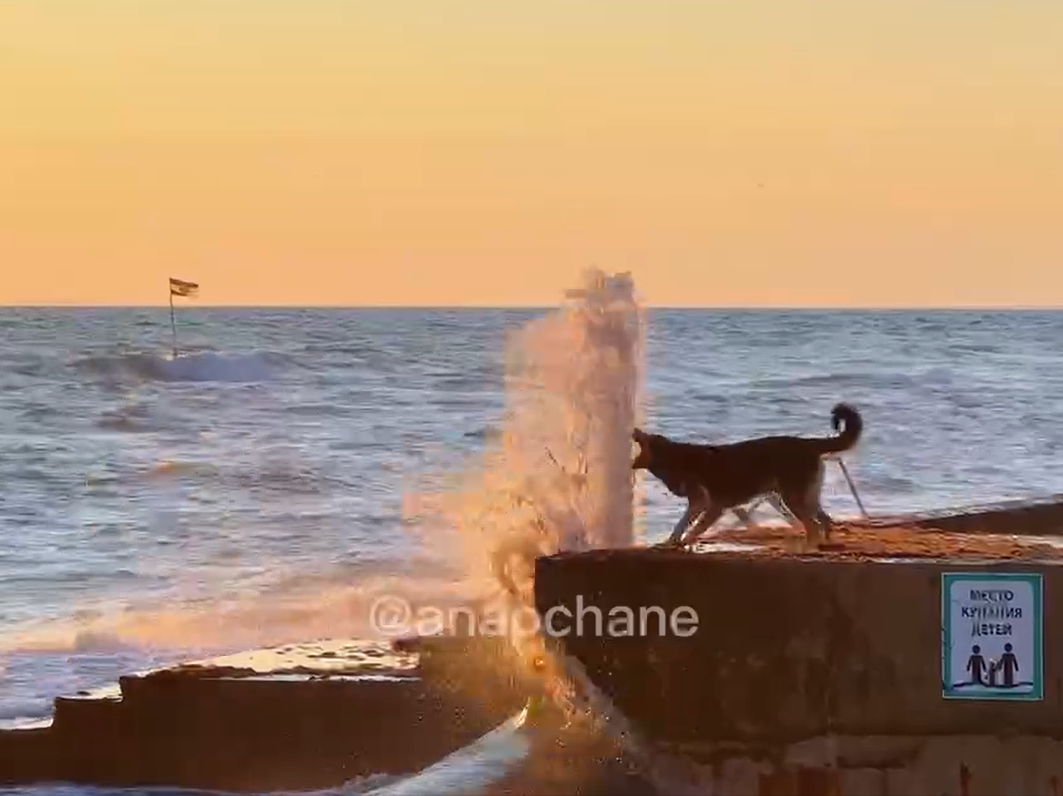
{"x": 173, "y": 325}
{"x": 181, "y": 288}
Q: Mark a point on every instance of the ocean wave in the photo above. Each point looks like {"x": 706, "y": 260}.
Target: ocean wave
{"x": 206, "y": 366}
{"x": 24, "y": 709}
{"x": 288, "y": 607}
{"x": 879, "y": 380}
{"x": 882, "y": 379}
{"x": 469, "y": 769}
{"x": 131, "y": 418}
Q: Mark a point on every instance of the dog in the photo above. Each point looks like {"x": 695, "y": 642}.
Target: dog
{"x": 716, "y": 478}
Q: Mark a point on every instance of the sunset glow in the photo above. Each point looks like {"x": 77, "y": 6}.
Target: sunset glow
{"x": 409, "y": 152}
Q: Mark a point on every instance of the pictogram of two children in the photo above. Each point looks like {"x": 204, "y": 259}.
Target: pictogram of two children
{"x": 1006, "y": 666}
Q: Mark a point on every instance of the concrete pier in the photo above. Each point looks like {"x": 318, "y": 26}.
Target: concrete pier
{"x": 844, "y": 671}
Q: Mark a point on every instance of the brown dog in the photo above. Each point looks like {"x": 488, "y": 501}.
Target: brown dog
{"x": 715, "y": 478}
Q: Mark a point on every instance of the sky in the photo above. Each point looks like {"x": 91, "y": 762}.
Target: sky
{"x": 478, "y": 152}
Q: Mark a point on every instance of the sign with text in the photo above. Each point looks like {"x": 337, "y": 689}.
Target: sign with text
{"x": 991, "y": 642}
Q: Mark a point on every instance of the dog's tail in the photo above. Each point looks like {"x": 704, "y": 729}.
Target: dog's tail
{"x": 845, "y": 418}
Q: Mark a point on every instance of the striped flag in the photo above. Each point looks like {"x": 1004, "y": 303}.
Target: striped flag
{"x": 179, "y": 287}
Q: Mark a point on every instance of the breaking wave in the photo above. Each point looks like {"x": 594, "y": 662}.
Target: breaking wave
{"x": 469, "y": 769}
{"x": 205, "y": 366}
{"x": 289, "y": 609}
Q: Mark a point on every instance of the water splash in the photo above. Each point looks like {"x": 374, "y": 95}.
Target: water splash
{"x": 559, "y": 478}
{"x": 576, "y": 383}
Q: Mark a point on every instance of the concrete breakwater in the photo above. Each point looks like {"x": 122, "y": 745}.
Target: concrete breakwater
{"x": 302, "y": 717}
{"x": 902, "y": 661}
{"x": 1027, "y": 517}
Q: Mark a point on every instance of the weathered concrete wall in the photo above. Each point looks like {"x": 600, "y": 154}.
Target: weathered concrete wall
{"x": 957, "y": 765}
{"x": 788, "y": 649}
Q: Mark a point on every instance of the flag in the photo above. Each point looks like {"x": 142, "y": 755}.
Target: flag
{"x": 182, "y": 288}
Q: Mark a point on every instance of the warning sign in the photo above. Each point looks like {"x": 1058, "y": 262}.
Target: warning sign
{"x": 991, "y": 645}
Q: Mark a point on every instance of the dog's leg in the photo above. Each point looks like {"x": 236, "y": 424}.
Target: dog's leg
{"x": 812, "y": 499}
{"x": 803, "y": 503}
{"x": 804, "y": 516}
{"x": 825, "y": 522}
{"x": 778, "y": 504}
{"x": 744, "y": 517}
{"x": 707, "y": 519}
{"x": 698, "y": 502}
{"x": 682, "y": 525}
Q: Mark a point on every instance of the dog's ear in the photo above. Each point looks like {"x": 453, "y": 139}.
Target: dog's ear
{"x": 638, "y": 435}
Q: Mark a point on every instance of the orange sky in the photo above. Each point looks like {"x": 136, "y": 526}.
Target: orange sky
{"x": 770, "y": 152}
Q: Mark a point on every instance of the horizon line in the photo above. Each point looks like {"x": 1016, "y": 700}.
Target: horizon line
{"x": 509, "y": 307}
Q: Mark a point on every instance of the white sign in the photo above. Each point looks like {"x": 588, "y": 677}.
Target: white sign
{"x": 991, "y": 643}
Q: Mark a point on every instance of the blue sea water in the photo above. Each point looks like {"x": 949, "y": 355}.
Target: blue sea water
{"x": 153, "y": 511}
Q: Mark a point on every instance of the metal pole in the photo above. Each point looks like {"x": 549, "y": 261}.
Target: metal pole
{"x": 173, "y": 325}
{"x": 852, "y": 488}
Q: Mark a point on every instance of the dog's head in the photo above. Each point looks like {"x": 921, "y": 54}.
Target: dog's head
{"x": 644, "y": 457}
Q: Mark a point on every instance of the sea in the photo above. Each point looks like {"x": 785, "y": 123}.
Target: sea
{"x": 256, "y": 490}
